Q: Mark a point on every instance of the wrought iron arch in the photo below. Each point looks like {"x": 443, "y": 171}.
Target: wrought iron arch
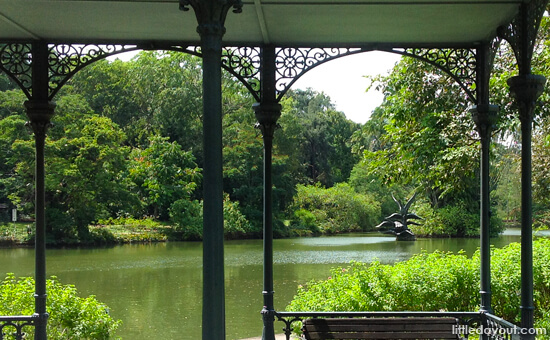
{"x": 292, "y": 63}
{"x": 242, "y": 62}
{"x": 65, "y": 60}
{"x": 459, "y": 64}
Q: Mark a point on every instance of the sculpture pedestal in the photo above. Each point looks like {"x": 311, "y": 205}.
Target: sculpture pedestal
{"x": 407, "y": 235}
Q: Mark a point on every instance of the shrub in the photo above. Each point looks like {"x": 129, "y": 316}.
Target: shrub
{"x": 305, "y": 223}
{"x": 337, "y": 209}
{"x": 71, "y": 316}
{"x": 431, "y": 282}
{"x": 235, "y": 223}
{"x": 452, "y": 220}
{"x": 187, "y": 218}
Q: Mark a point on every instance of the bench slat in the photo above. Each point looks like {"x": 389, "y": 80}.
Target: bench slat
{"x": 381, "y": 321}
{"x": 380, "y": 328}
{"x": 379, "y": 336}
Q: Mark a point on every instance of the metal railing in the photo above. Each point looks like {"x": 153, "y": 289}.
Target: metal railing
{"x": 466, "y": 320}
{"x": 11, "y": 327}
{"x": 496, "y": 328}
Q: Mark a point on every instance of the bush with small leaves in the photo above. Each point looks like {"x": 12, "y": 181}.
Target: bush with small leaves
{"x": 71, "y": 316}
{"x": 432, "y": 282}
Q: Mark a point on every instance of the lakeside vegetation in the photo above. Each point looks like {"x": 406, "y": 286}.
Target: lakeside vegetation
{"x": 125, "y": 145}
{"x": 70, "y": 316}
{"x": 432, "y": 282}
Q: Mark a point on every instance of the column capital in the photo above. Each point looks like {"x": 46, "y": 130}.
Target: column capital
{"x": 526, "y": 89}
{"x": 211, "y": 14}
{"x": 485, "y": 117}
{"x": 267, "y": 115}
{"x": 39, "y": 113}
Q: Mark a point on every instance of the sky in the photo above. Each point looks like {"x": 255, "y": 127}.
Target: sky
{"x": 343, "y": 81}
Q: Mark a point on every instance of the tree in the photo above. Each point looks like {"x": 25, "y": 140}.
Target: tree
{"x": 333, "y": 210}
{"x": 429, "y": 136}
{"x": 86, "y": 161}
{"x": 325, "y": 134}
{"x": 163, "y": 173}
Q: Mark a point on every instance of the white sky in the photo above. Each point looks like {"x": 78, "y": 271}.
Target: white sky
{"x": 343, "y": 81}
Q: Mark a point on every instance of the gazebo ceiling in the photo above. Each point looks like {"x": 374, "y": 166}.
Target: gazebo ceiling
{"x": 279, "y": 22}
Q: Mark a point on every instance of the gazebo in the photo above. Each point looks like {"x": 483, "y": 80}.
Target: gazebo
{"x": 268, "y": 45}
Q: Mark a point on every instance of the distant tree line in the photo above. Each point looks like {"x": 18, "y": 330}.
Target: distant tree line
{"x": 126, "y": 143}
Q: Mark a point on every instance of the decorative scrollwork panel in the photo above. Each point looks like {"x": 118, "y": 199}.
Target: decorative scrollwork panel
{"x": 460, "y": 64}
{"x": 16, "y": 62}
{"x": 521, "y": 33}
{"x": 66, "y": 59}
{"x": 244, "y": 64}
{"x": 291, "y": 63}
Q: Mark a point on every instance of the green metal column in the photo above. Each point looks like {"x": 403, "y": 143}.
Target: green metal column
{"x": 267, "y": 113}
{"x": 211, "y": 16}
{"x": 213, "y": 310}
{"x": 484, "y": 116}
{"x": 526, "y": 89}
{"x": 40, "y": 110}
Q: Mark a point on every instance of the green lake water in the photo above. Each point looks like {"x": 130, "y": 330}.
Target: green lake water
{"x": 156, "y": 289}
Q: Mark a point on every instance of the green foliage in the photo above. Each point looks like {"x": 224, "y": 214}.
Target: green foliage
{"x": 453, "y": 221}
{"x": 16, "y": 233}
{"x": 71, "y": 316}
{"x": 163, "y": 174}
{"x": 305, "y": 223}
{"x": 322, "y": 138}
{"x": 128, "y": 230}
{"x": 422, "y": 134}
{"x": 506, "y": 178}
{"x": 335, "y": 210}
{"x": 235, "y": 223}
{"x": 187, "y": 218}
{"x": 431, "y": 282}
{"x": 365, "y": 182}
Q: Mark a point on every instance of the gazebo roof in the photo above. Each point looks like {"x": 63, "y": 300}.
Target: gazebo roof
{"x": 279, "y": 22}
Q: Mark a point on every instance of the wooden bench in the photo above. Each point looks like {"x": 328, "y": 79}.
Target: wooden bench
{"x": 381, "y": 328}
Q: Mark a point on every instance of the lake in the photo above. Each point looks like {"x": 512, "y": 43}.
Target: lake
{"x": 156, "y": 289}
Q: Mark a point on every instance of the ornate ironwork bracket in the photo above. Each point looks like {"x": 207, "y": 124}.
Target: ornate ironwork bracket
{"x": 244, "y": 64}
{"x": 459, "y": 64}
{"x": 521, "y": 33}
{"x": 67, "y": 59}
{"x": 16, "y": 62}
{"x": 241, "y": 62}
{"x": 292, "y": 63}
{"x": 64, "y": 61}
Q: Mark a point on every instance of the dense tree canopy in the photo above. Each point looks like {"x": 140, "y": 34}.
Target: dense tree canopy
{"x": 127, "y": 143}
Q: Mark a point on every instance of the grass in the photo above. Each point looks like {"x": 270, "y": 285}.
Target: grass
{"x": 16, "y": 233}
{"x": 129, "y": 230}
{"x": 104, "y": 232}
